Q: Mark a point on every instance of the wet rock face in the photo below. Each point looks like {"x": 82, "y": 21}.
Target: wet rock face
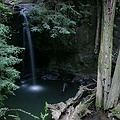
{"x": 49, "y": 77}
{"x": 80, "y": 60}
{"x": 16, "y": 6}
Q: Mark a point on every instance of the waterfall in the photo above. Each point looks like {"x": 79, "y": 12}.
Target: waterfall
{"x": 27, "y": 40}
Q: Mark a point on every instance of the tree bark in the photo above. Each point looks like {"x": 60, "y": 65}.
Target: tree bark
{"x": 115, "y": 86}
{"x": 97, "y": 38}
{"x": 105, "y": 55}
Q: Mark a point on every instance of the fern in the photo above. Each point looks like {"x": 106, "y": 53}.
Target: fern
{"x": 45, "y": 114}
{"x": 3, "y": 111}
{"x": 8, "y": 58}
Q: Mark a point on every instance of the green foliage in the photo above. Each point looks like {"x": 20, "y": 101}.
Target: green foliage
{"x": 54, "y": 23}
{"x": 4, "y": 13}
{"x": 22, "y": 111}
{"x": 14, "y": 113}
{"x": 15, "y": 117}
{"x": 57, "y": 20}
{"x": 8, "y": 58}
{"x": 85, "y": 11}
{"x": 45, "y": 114}
{"x": 8, "y": 74}
{"x": 3, "y": 111}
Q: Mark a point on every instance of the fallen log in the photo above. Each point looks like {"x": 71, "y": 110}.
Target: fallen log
{"x": 73, "y": 108}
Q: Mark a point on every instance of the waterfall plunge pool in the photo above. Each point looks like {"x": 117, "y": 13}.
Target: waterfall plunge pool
{"x": 32, "y": 98}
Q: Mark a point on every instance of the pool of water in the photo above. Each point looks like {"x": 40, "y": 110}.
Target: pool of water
{"x": 32, "y": 98}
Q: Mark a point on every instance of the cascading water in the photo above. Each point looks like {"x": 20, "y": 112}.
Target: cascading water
{"x": 27, "y": 40}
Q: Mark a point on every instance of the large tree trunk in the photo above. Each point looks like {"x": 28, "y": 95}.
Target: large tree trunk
{"x": 105, "y": 55}
{"x": 115, "y": 86}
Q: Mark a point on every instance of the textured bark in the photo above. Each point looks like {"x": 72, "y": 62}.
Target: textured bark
{"x": 97, "y": 38}
{"x": 105, "y": 55}
{"x": 115, "y": 86}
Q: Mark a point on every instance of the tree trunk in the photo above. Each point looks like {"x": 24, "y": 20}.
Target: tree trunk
{"x": 115, "y": 86}
{"x": 105, "y": 55}
{"x": 97, "y": 38}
